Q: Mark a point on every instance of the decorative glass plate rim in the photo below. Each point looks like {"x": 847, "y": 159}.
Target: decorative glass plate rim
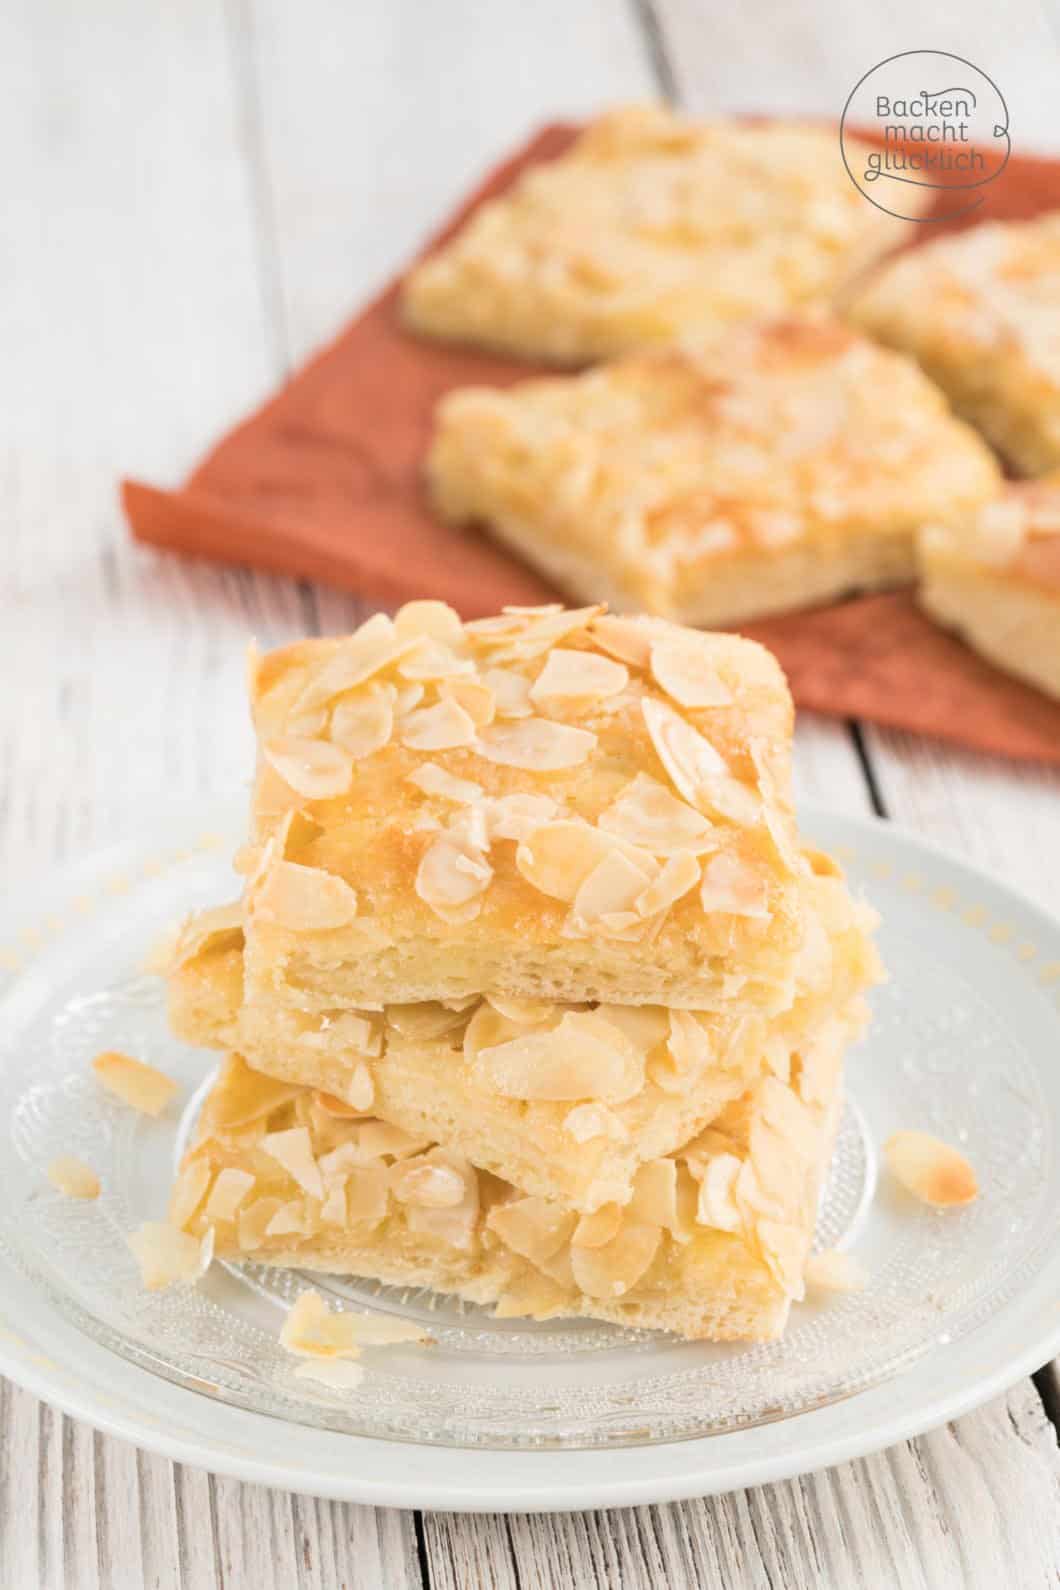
{"x": 986, "y": 1308}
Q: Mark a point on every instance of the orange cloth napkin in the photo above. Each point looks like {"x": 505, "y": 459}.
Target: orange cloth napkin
{"x": 324, "y": 481}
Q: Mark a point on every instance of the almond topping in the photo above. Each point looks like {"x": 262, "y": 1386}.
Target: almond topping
{"x": 930, "y": 1169}
{"x": 367, "y": 1194}
{"x": 228, "y": 1192}
{"x": 423, "y": 1021}
{"x": 433, "y": 660}
{"x": 313, "y": 768}
{"x": 611, "y": 1270}
{"x": 435, "y": 619}
{"x": 592, "y": 1231}
{"x": 587, "y": 1121}
{"x": 682, "y": 665}
{"x": 733, "y": 886}
{"x": 360, "y": 1089}
{"x": 532, "y": 1227}
{"x": 312, "y": 1331}
{"x": 293, "y": 1149}
{"x": 832, "y": 1271}
{"x": 432, "y": 1186}
{"x": 612, "y": 890}
{"x": 626, "y": 638}
{"x": 511, "y": 692}
{"x": 558, "y": 857}
{"x": 654, "y": 1198}
{"x": 254, "y": 1220}
{"x": 73, "y": 1177}
{"x": 697, "y": 770}
{"x": 583, "y": 1058}
{"x": 167, "y": 1256}
{"x": 219, "y": 927}
{"x": 338, "y": 1374}
{"x": 434, "y": 780}
{"x": 518, "y": 816}
{"x": 679, "y": 874}
{"x": 304, "y": 899}
{"x": 367, "y": 651}
{"x": 451, "y": 877}
{"x": 141, "y": 1086}
{"x": 443, "y": 727}
{"x": 189, "y": 1189}
{"x": 717, "y": 1194}
{"x": 524, "y": 1012}
{"x": 362, "y": 725}
{"x": 577, "y": 676}
{"x": 537, "y": 745}
{"x": 474, "y": 696}
{"x": 648, "y": 815}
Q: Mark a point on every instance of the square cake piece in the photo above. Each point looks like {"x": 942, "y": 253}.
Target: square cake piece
{"x": 787, "y": 464}
{"x": 712, "y": 1244}
{"x": 981, "y": 313}
{"x": 996, "y": 581}
{"x": 649, "y": 229}
{"x": 552, "y": 805}
{"x": 566, "y": 1102}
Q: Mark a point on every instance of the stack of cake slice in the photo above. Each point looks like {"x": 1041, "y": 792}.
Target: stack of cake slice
{"x": 534, "y": 994}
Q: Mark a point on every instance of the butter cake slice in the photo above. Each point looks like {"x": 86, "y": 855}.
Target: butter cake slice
{"x": 996, "y": 581}
{"x": 652, "y": 228}
{"x": 712, "y": 1244}
{"x": 567, "y": 1102}
{"x": 787, "y": 464}
{"x": 981, "y": 313}
{"x": 548, "y": 804}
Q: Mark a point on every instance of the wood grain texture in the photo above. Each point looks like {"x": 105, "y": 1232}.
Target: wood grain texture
{"x": 201, "y": 193}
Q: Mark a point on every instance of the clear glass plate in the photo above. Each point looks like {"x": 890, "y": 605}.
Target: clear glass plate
{"x": 955, "y": 1048}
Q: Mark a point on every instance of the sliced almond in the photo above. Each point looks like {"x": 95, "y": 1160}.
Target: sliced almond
{"x": 648, "y": 815}
{"x": 587, "y": 1121}
{"x": 338, "y": 1374}
{"x": 931, "y": 1170}
{"x": 360, "y": 1089}
{"x": 362, "y": 725}
{"x": 451, "y": 878}
{"x": 524, "y": 1012}
{"x": 680, "y": 873}
{"x": 167, "y": 1256}
{"x": 592, "y": 1231}
{"x": 532, "y": 1227}
{"x": 425, "y": 1021}
{"x": 510, "y": 691}
{"x": 433, "y": 661}
{"x": 357, "y": 658}
{"x": 254, "y": 1220}
{"x": 583, "y": 1058}
{"x": 219, "y": 927}
{"x": 536, "y": 745}
{"x": 784, "y": 1250}
{"x": 73, "y": 1178}
{"x": 832, "y": 1271}
{"x": 518, "y": 816}
{"x": 142, "y": 1086}
{"x": 434, "y": 780}
{"x": 654, "y": 1199}
{"x": 303, "y": 899}
{"x": 379, "y": 1139}
{"x": 558, "y": 857}
{"x": 683, "y": 666}
{"x": 453, "y": 1223}
{"x": 734, "y": 886}
{"x": 431, "y": 1186}
{"x": 612, "y": 889}
{"x": 434, "y": 619}
{"x": 626, "y": 638}
{"x": 571, "y": 676}
{"x": 615, "y": 1268}
{"x": 229, "y": 1191}
{"x": 242, "y": 1096}
{"x": 189, "y": 1190}
{"x": 289, "y": 1220}
{"x": 474, "y": 696}
{"x": 315, "y": 769}
{"x": 697, "y": 770}
{"x": 367, "y": 1194}
{"x": 293, "y": 1149}
{"x": 718, "y": 1207}
{"x": 443, "y": 727}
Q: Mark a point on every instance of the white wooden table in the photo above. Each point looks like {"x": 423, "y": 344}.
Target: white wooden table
{"x": 193, "y": 195}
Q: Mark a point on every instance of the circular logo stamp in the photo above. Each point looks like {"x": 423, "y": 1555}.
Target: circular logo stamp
{"x": 932, "y": 121}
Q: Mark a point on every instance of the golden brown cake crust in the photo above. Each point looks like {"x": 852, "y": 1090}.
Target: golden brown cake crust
{"x": 778, "y": 467}
{"x": 652, "y": 228}
{"x": 981, "y": 313}
{"x": 548, "y": 804}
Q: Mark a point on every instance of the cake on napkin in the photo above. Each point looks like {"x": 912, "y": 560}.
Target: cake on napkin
{"x": 651, "y": 228}
{"x": 789, "y": 463}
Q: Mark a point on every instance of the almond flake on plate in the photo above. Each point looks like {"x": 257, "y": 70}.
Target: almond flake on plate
{"x": 141, "y": 1086}
{"x": 167, "y": 1256}
{"x": 338, "y": 1374}
{"x": 73, "y": 1178}
{"x": 930, "y": 1169}
{"x": 832, "y": 1271}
